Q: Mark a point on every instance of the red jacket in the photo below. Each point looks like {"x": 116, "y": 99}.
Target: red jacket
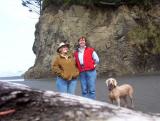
{"x": 87, "y": 60}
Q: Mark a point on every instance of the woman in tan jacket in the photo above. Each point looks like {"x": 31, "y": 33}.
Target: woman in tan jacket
{"x": 64, "y": 67}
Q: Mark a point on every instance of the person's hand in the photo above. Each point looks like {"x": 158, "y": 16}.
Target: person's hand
{"x": 70, "y": 78}
{"x": 95, "y": 65}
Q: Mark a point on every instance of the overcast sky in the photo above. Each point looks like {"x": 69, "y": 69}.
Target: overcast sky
{"x": 17, "y": 26}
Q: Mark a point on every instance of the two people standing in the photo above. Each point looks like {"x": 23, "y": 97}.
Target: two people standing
{"x": 85, "y": 61}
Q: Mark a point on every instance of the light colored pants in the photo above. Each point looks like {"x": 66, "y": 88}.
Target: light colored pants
{"x": 65, "y": 85}
{"x": 88, "y": 83}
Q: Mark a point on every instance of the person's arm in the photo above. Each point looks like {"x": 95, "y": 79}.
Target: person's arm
{"x": 55, "y": 67}
{"x": 95, "y": 57}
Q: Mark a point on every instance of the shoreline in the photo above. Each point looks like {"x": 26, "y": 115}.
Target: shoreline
{"x": 101, "y": 76}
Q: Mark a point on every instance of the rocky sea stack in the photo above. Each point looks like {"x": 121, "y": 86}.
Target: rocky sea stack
{"x": 126, "y": 38}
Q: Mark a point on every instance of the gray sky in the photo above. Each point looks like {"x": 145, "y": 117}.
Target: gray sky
{"x": 16, "y": 37}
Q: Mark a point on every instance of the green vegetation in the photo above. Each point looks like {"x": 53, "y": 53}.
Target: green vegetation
{"x": 33, "y": 5}
{"x": 38, "y": 5}
{"x": 69, "y": 2}
{"x": 145, "y": 3}
{"x": 138, "y": 2}
{"x": 146, "y": 38}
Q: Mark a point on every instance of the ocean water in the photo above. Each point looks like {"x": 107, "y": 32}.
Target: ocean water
{"x": 11, "y": 73}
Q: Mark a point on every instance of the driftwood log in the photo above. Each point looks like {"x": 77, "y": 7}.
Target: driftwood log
{"x": 21, "y": 103}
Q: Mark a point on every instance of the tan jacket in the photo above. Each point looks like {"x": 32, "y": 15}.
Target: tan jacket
{"x": 65, "y": 67}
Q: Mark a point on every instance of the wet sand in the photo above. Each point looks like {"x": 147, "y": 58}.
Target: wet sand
{"x": 146, "y": 97}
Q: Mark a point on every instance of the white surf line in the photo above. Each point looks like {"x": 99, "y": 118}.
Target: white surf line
{"x": 13, "y": 80}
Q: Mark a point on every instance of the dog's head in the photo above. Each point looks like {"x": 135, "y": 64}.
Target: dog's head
{"x": 111, "y": 83}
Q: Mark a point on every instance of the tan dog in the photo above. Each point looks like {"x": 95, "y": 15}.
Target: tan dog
{"x": 116, "y": 93}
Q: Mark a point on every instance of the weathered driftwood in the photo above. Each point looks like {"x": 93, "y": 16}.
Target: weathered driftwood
{"x": 26, "y": 104}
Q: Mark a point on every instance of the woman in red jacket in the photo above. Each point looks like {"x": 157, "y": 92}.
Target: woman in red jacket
{"x": 86, "y": 60}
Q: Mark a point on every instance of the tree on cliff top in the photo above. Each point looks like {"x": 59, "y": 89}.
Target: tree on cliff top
{"x": 33, "y": 5}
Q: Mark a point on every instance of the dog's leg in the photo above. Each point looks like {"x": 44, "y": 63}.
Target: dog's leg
{"x": 131, "y": 97}
{"x": 132, "y": 104}
{"x": 131, "y": 100}
{"x": 118, "y": 102}
{"x": 111, "y": 100}
{"x": 125, "y": 101}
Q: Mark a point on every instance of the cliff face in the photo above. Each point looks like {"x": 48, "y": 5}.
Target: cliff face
{"x": 126, "y": 39}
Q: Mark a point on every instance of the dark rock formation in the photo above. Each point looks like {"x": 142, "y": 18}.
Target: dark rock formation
{"x": 123, "y": 37}
{"x": 35, "y": 105}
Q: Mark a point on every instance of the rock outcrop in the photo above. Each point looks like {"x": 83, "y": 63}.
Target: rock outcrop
{"x": 22, "y": 103}
{"x": 126, "y": 39}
